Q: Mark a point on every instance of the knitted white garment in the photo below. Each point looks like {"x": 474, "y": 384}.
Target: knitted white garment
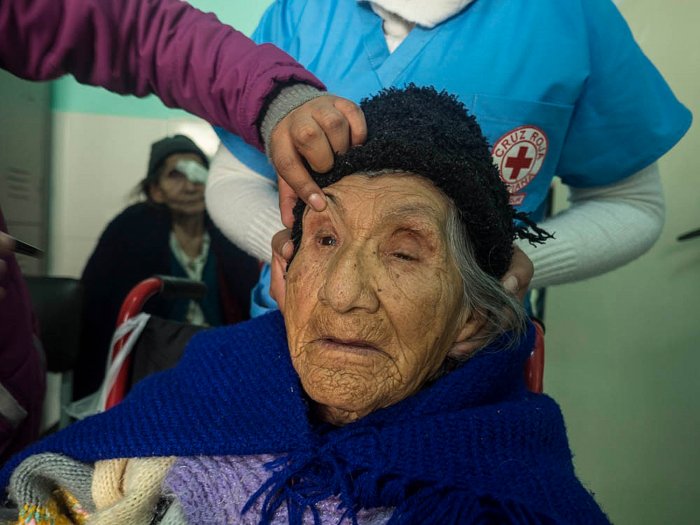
{"x": 127, "y": 490}
{"x": 425, "y": 14}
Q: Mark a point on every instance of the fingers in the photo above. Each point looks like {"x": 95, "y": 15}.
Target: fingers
{"x": 324, "y": 126}
{"x": 356, "y": 119}
{"x": 282, "y": 244}
{"x": 288, "y": 199}
{"x": 517, "y": 279}
{"x": 313, "y": 143}
{"x": 314, "y": 132}
{"x": 290, "y": 168}
{"x": 336, "y": 127}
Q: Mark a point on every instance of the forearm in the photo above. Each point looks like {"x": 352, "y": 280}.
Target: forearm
{"x": 603, "y": 228}
{"x": 243, "y": 204}
{"x": 165, "y": 47}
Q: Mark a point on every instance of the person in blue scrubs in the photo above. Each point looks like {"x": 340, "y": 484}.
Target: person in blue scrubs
{"x": 559, "y": 87}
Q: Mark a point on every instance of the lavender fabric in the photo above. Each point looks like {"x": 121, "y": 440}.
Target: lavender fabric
{"x": 21, "y": 373}
{"x": 215, "y": 489}
{"x": 140, "y": 47}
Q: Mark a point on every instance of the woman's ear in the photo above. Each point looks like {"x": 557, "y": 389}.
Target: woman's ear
{"x": 278, "y": 267}
{"x": 156, "y": 193}
{"x": 468, "y": 338}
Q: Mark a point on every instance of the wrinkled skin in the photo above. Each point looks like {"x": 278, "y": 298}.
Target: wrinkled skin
{"x": 373, "y": 299}
{"x": 173, "y": 189}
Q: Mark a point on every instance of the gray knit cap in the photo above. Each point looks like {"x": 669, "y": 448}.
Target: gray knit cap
{"x": 163, "y": 148}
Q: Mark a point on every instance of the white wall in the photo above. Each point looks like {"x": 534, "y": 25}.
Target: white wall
{"x": 623, "y": 354}
{"x": 101, "y": 144}
{"x": 97, "y": 162}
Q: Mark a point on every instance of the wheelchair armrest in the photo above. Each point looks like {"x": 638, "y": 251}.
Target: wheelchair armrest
{"x": 181, "y": 288}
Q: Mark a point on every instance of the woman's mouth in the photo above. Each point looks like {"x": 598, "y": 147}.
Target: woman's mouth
{"x": 359, "y": 346}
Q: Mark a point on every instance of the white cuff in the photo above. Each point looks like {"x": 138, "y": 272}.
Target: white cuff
{"x": 243, "y": 204}
{"x": 603, "y": 228}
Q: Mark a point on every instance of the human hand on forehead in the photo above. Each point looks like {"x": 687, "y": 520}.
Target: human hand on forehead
{"x": 313, "y": 133}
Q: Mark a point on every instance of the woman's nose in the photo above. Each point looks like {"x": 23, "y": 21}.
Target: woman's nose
{"x": 191, "y": 187}
{"x": 348, "y": 284}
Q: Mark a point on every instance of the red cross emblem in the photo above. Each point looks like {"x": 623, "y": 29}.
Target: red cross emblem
{"x": 522, "y": 161}
{"x": 519, "y": 155}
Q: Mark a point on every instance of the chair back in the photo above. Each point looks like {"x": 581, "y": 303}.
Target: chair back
{"x": 534, "y": 367}
{"x": 57, "y": 304}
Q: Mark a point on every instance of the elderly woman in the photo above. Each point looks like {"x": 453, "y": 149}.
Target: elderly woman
{"x": 366, "y": 400}
{"x": 167, "y": 233}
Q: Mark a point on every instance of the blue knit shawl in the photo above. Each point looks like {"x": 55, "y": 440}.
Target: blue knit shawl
{"x": 473, "y": 447}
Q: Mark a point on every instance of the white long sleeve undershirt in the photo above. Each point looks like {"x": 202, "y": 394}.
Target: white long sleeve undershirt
{"x": 602, "y": 229}
{"x": 243, "y": 204}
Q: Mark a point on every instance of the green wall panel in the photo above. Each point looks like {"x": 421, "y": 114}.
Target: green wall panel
{"x": 70, "y": 96}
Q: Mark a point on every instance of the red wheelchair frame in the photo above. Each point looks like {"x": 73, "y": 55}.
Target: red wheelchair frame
{"x": 133, "y": 304}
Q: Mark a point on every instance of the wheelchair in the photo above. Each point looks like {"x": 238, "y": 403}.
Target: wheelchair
{"x": 160, "y": 345}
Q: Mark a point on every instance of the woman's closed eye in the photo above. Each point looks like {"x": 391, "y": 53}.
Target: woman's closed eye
{"x": 405, "y": 245}
{"x": 404, "y": 256}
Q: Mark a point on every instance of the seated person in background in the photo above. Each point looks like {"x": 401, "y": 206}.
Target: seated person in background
{"x": 388, "y": 390}
{"x": 168, "y": 234}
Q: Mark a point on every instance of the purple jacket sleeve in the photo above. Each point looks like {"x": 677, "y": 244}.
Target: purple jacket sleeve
{"x": 186, "y": 57}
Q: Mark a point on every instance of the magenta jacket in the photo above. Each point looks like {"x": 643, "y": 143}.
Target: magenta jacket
{"x": 186, "y": 57}
{"x": 22, "y": 382}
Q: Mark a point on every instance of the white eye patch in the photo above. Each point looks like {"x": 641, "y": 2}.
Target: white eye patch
{"x": 194, "y": 171}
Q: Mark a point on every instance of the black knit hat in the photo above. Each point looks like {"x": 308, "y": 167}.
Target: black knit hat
{"x": 163, "y": 148}
{"x": 431, "y": 134}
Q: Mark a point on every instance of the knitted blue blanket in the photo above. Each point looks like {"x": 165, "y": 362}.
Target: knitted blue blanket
{"x": 473, "y": 447}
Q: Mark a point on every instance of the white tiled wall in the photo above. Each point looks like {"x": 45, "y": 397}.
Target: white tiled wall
{"x": 97, "y": 161}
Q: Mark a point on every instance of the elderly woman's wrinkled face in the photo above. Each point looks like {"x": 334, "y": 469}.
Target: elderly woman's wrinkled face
{"x": 373, "y": 300}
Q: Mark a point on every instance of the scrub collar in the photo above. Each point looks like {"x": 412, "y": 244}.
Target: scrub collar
{"x": 421, "y": 12}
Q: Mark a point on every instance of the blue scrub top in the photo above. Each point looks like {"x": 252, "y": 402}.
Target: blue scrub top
{"x": 559, "y": 87}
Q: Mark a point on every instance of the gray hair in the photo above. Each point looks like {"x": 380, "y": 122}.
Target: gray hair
{"x": 482, "y": 294}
